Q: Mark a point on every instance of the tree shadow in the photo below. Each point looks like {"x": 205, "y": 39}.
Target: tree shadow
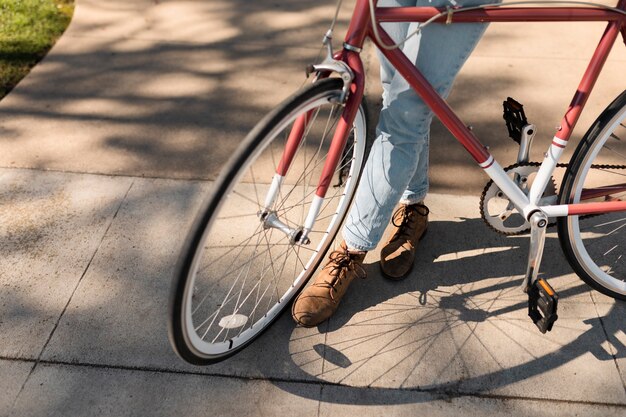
{"x": 133, "y": 93}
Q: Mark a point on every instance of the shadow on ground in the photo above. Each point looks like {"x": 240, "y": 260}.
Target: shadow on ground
{"x": 458, "y": 325}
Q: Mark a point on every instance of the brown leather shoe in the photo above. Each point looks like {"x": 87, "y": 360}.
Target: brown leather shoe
{"x": 320, "y": 300}
{"x": 398, "y": 255}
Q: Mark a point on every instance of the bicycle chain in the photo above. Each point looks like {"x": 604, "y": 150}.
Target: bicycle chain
{"x": 533, "y": 164}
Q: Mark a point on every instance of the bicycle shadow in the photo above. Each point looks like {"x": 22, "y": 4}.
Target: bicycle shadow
{"x": 458, "y": 325}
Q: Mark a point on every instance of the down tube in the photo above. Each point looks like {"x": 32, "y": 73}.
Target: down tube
{"x": 451, "y": 121}
{"x": 340, "y": 136}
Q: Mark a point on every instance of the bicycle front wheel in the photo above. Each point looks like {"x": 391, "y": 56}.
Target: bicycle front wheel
{"x": 594, "y": 245}
{"x": 236, "y": 275}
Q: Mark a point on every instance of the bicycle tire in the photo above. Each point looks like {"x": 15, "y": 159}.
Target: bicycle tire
{"x": 196, "y": 286}
{"x": 593, "y": 245}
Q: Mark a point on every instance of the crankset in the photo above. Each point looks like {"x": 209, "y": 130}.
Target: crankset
{"x": 499, "y": 213}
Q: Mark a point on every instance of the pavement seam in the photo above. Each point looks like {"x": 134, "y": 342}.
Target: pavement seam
{"x": 113, "y": 175}
{"x": 437, "y": 393}
{"x": 606, "y": 336}
{"x": 319, "y": 401}
{"x": 56, "y": 324}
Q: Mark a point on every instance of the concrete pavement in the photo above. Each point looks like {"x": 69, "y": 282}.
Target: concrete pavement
{"x": 108, "y": 147}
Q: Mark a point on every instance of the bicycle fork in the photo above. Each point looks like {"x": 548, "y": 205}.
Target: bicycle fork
{"x": 300, "y": 235}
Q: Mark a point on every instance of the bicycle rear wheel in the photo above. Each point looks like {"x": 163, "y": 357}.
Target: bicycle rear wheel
{"x": 235, "y": 276}
{"x": 594, "y": 245}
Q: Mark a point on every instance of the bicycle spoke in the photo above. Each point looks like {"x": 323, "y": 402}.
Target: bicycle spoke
{"x": 270, "y": 255}
{"x": 297, "y": 253}
{"x": 221, "y": 306}
{"x": 241, "y": 246}
{"x": 615, "y": 230}
{"x": 231, "y": 272}
{"x": 593, "y": 243}
{"x": 256, "y": 192}
{"x": 238, "y": 216}
{"x": 614, "y": 151}
{"x": 611, "y": 172}
{"x": 246, "y": 198}
{"x": 610, "y": 250}
{"x": 238, "y": 306}
{"x": 611, "y": 222}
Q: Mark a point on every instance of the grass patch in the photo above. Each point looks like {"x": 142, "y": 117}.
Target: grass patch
{"x": 28, "y": 29}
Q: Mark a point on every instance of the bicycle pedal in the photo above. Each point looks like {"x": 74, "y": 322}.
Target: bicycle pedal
{"x": 515, "y": 118}
{"x": 542, "y": 305}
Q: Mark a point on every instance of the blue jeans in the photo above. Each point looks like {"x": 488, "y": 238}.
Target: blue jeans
{"x": 397, "y": 167}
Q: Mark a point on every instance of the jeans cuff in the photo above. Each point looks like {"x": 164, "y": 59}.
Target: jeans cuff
{"x": 355, "y": 243}
{"x": 413, "y": 199}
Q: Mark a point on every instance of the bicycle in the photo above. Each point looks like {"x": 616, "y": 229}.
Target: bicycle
{"x": 280, "y": 200}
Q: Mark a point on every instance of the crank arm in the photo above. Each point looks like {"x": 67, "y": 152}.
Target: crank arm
{"x": 542, "y": 299}
{"x": 528, "y": 133}
{"x": 538, "y": 225}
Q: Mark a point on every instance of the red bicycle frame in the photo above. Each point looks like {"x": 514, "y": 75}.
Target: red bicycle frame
{"x": 361, "y": 29}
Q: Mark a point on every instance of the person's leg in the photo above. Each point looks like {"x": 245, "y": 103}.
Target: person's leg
{"x": 398, "y": 160}
{"x": 381, "y": 183}
{"x": 444, "y": 50}
{"x": 397, "y": 168}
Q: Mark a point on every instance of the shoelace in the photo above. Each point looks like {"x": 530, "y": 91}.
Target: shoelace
{"x": 404, "y": 219}
{"x": 339, "y": 260}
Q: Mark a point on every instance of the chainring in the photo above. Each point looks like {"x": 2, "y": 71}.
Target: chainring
{"x": 498, "y": 212}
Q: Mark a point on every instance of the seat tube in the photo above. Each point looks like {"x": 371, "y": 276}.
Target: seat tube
{"x": 560, "y": 140}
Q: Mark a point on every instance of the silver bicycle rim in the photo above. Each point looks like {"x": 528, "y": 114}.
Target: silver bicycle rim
{"x": 213, "y": 348}
{"x": 616, "y": 223}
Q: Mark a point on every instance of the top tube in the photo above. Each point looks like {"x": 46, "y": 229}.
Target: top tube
{"x": 499, "y": 14}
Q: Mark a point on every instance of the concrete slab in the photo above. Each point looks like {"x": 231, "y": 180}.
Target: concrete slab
{"x": 58, "y": 390}
{"x": 459, "y": 322}
{"x": 372, "y": 402}
{"x": 133, "y": 271}
{"x": 119, "y": 313}
{"x": 381, "y": 336}
{"x": 528, "y": 364}
{"x": 50, "y": 226}
{"x": 385, "y": 335}
{"x": 13, "y": 374}
{"x": 461, "y": 343}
